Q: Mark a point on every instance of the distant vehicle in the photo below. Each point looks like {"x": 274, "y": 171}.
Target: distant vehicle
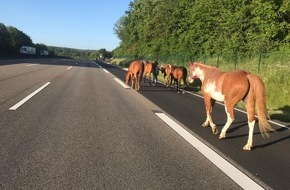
{"x": 43, "y": 52}
{"x": 27, "y": 50}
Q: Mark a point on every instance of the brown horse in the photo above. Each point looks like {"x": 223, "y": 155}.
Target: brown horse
{"x": 178, "y": 73}
{"x": 232, "y": 87}
{"x": 148, "y": 69}
{"x": 134, "y": 73}
{"x": 165, "y": 69}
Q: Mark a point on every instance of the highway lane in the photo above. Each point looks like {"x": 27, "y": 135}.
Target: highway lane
{"x": 85, "y": 131}
{"x": 15, "y": 83}
{"x": 268, "y": 162}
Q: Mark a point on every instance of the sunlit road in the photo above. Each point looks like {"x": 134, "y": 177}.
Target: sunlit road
{"x": 81, "y": 129}
{"x": 85, "y": 131}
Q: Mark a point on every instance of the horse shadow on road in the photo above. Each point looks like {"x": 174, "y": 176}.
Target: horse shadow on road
{"x": 279, "y": 137}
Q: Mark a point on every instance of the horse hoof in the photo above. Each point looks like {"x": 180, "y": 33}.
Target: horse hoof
{"x": 246, "y": 147}
{"x": 222, "y": 137}
{"x": 215, "y": 131}
{"x": 204, "y": 125}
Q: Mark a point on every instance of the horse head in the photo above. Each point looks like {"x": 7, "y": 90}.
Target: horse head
{"x": 171, "y": 68}
{"x": 193, "y": 71}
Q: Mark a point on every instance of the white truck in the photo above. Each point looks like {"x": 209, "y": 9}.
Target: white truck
{"x": 27, "y": 50}
{"x": 43, "y": 52}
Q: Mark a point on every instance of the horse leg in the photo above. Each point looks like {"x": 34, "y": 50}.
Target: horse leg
{"x": 171, "y": 79}
{"x": 144, "y": 76}
{"x": 229, "y": 108}
{"x": 138, "y": 81}
{"x": 209, "y": 103}
{"x": 132, "y": 80}
{"x": 184, "y": 84}
{"x": 168, "y": 81}
{"x": 178, "y": 85}
{"x": 251, "y": 122}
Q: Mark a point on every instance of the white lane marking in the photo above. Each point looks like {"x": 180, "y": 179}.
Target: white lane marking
{"x": 98, "y": 65}
{"x": 28, "y": 97}
{"x": 200, "y": 96}
{"x": 106, "y": 70}
{"x": 33, "y": 64}
{"x": 121, "y": 82}
{"x": 69, "y": 68}
{"x": 235, "y": 174}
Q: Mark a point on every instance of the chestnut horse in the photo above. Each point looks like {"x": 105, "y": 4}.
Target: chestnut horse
{"x": 134, "y": 73}
{"x": 178, "y": 73}
{"x": 167, "y": 74}
{"x": 232, "y": 87}
{"x": 148, "y": 69}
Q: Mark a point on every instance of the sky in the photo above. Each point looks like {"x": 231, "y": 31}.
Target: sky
{"x": 79, "y": 24}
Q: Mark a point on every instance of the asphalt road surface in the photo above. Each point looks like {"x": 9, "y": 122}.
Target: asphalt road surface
{"x": 68, "y": 124}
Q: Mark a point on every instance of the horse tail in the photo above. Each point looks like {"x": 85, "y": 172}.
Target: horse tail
{"x": 259, "y": 92}
{"x": 141, "y": 71}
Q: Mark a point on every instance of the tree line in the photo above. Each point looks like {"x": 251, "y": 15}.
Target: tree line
{"x": 11, "y": 39}
{"x": 170, "y": 27}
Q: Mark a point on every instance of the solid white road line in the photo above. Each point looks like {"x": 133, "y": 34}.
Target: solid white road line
{"x": 33, "y": 64}
{"x": 106, "y": 70}
{"x": 235, "y": 174}
{"x": 121, "y": 82}
{"x": 28, "y": 97}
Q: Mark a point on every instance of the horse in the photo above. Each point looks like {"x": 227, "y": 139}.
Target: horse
{"x": 232, "y": 87}
{"x": 178, "y": 73}
{"x": 167, "y": 74}
{"x": 148, "y": 69}
{"x": 134, "y": 73}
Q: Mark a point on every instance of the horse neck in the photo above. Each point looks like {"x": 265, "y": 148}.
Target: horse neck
{"x": 209, "y": 72}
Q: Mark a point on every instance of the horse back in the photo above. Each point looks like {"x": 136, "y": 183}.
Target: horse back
{"x": 234, "y": 83}
{"x": 135, "y": 67}
{"x": 148, "y": 67}
{"x": 180, "y": 72}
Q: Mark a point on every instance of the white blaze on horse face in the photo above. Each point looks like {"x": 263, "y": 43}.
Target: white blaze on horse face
{"x": 199, "y": 73}
{"x": 194, "y": 73}
{"x": 210, "y": 88}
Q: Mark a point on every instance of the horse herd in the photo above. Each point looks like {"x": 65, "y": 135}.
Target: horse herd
{"x": 139, "y": 69}
{"x": 229, "y": 87}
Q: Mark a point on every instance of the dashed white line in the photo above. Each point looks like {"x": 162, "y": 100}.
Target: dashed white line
{"x": 121, "y": 82}
{"x": 235, "y": 174}
{"x": 106, "y": 70}
{"x": 28, "y": 97}
{"x": 33, "y": 64}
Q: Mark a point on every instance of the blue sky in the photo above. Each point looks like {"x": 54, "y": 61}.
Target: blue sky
{"x": 80, "y": 24}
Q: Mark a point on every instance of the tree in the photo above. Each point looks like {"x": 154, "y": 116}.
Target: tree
{"x": 155, "y": 28}
{"x": 5, "y": 41}
{"x": 18, "y": 39}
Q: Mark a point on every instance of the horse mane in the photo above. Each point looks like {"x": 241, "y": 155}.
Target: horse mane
{"x": 208, "y": 67}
